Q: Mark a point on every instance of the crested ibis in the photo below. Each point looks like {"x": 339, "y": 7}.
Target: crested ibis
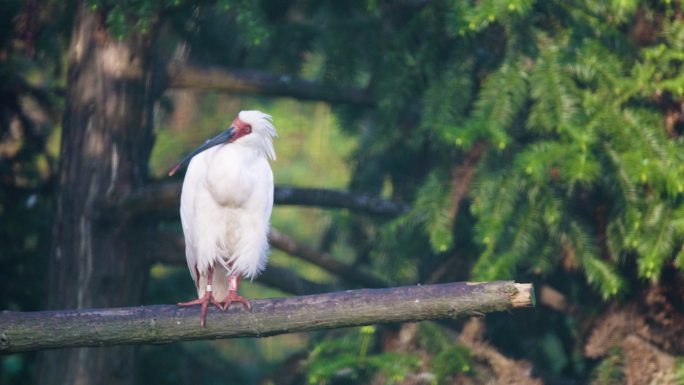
{"x": 225, "y": 209}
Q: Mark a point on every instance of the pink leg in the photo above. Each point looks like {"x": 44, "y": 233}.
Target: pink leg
{"x": 233, "y": 282}
{"x": 205, "y": 300}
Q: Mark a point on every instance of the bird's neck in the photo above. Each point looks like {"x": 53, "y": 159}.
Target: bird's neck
{"x": 259, "y": 143}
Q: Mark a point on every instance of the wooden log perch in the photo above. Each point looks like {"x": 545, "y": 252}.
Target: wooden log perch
{"x": 26, "y": 331}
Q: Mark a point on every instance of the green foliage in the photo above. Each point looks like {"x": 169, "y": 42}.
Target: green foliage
{"x": 453, "y": 360}
{"x": 446, "y": 99}
{"x": 470, "y": 18}
{"x": 433, "y": 208}
{"x": 124, "y": 17}
{"x": 499, "y": 101}
{"x": 249, "y": 18}
{"x": 448, "y": 356}
{"x": 581, "y": 185}
{"x": 586, "y": 134}
{"x": 351, "y": 358}
{"x": 579, "y": 164}
{"x": 679, "y": 371}
{"x": 610, "y": 370}
{"x": 555, "y": 105}
{"x": 31, "y": 54}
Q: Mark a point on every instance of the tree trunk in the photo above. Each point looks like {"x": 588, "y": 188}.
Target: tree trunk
{"x": 106, "y": 142}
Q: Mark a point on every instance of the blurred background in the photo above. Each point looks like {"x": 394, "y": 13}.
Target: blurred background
{"x": 539, "y": 141}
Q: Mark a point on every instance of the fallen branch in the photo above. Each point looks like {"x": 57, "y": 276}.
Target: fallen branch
{"x": 164, "y": 197}
{"x": 242, "y": 81}
{"x": 338, "y": 199}
{"x": 325, "y": 261}
{"x": 26, "y": 331}
{"x": 169, "y": 248}
{"x": 288, "y": 281}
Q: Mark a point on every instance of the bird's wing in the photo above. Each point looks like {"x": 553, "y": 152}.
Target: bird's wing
{"x": 251, "y": 251}
{"x": 191, "y": 183}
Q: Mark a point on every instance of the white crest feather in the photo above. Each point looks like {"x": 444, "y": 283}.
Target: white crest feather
{"x": 262, "y": 134}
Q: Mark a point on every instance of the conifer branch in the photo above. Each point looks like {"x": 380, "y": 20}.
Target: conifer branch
{"x": 28, "y": 331}
{"x": 463, "y": 174}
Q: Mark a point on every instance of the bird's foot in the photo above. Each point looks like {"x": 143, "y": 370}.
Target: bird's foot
{"x": 234, "y": 297}
{"x": 206, "y": 299}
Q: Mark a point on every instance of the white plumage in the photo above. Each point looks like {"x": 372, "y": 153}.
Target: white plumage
{"x": 226, "y": 205}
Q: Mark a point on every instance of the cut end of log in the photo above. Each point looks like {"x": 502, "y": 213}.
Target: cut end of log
{"x": 523, "y": 295}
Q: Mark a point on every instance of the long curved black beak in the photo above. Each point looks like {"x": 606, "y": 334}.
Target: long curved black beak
{"x": 221, "y": 138}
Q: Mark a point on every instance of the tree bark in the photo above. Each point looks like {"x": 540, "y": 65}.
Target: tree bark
{"x": 26, "y": 331}
{"x": 106, "y": 141}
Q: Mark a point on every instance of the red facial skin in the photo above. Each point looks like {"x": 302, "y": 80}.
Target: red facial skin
{"x": 241, "y": 129}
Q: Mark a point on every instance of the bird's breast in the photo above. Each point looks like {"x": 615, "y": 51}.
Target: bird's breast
{"x": 236, "y": 175}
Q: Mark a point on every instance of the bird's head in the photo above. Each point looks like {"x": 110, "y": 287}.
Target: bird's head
{"x": 251, "y": 128}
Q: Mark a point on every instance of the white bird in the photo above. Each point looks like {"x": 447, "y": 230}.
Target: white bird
{"x": 225, "y": 209}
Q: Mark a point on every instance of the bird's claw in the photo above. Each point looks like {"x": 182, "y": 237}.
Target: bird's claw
{"x": 206, "y": 299}
{"x": 234, "y": 297}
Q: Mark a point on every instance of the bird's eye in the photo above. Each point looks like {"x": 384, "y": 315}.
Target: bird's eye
{"x": 248, "y": 129}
